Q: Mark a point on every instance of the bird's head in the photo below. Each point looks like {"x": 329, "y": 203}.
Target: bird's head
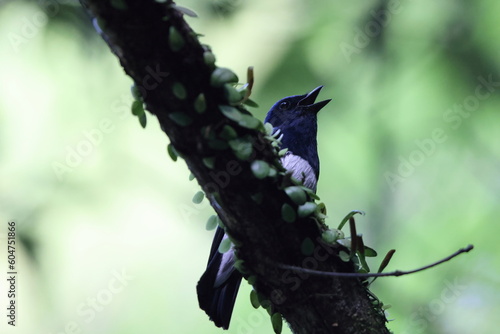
{"x": 297, "y": 110}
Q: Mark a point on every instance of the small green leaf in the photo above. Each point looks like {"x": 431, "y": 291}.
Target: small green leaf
{"x": 137, "y": 108}
{"x": 282, "y": 152}
{"x": 235, "y": 242}
{"x": 232, "y": 95}
{"x": 311, "y": 193}
{"x": 218, "y": 144}
{"x": 180, "y": 118}
{"x": 175, "y": 39}
{"x": 200, "y": 103}
{"x": 136, "y": 93}
{"x": 219, "y": 221}
{"x": 243, "y": 90}
{"x": 330, "y": 236}
{"x": 221, "y": 76}
{"x": 209, "y": 58}
{"x": 277, "y": 321}
{"x": 263, "y": 301}
{"x": 240, "y": 266}
{"x": 344, "y": 256}
{"x": 119, "y": 4}
{"x": 228, "y": 133}
{"x": 225, "y": 245}
{"x": 211, "y": 223}
{"x": 268, "y": 128}
{"x": 209, "y": 162}
{"x": 257, "y": 198}
{"x": 321, "y": 210}
{"x": 260, "y": 169}
{"x": 198, "y": 197}
{"x": 346, "y": 242}
{"x": 191, "y": 176}
{"x": 143, "y": 120}
{"x": 370, "y": 252}
{"x": 242, "y": 148}
{"x": 185, "y": 11}
{"x": 306, "y": 209}
{"x": 349, "y": 215}
{"x": 296, "y": 194}
{"x": 288, "y": 213}
{"x": 172, "y": 152}
{"x": 250, "y": 103}
{"x": 231, "y": 112}
{"x": 249, "y": 122}
{"x": 254, "y": 299}
{"x": 252, "y": 279}
{"x": 307, "y": 246}
{"x": 179, "y": 90}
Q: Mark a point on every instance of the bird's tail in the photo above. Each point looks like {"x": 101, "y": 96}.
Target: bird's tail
{"x": 218, "y": 286}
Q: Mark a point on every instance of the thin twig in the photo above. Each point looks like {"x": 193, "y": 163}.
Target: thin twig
{"x": 393, "y": 273}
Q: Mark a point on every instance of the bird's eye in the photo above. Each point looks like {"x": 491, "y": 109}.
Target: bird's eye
{"x": 284, "y": 105}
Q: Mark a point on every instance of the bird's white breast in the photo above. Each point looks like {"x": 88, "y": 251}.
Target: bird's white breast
{"x": 301, "y": 169}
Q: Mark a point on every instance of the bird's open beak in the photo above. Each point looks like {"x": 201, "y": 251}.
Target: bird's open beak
{"x": 308, "y": 100}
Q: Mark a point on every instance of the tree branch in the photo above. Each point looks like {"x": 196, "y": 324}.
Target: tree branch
{"x": 180, "y": 84}
{"x": 368, "y": 275}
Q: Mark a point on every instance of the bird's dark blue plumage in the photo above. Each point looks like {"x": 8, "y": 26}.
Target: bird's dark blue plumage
{"x": 295, "y": 118}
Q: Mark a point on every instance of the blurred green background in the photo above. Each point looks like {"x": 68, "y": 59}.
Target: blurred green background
{"x": 110, "y": 241}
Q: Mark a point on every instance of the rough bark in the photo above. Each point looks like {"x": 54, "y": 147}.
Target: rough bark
{"x": 161, "y": 53}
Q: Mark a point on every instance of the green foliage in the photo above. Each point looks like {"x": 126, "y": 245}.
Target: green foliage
{"x": 200, "y": 103}
{"x": 179, "y": 91}
{"x": 225, "y": 246}
{"x": 254, "y": 300}
{"x": 119, "y": 4}
{"x": 198, "y": 197}
{"x": 306, "y": 209}
{"x": 228, "y": 133}
{"x": 277, "y": 321}
{"x": 175, "y": 39}
{"x": 260, "y": 169}
{"x": 172, "y": 152}
{"x": 296, "y": 194}
{"x": 181, "y": 118}
{"x": 137, "y": 108}
{"x": 231, "y": 112}
{"x": 136, "y": 94}
{"x": 143, "y": 120}
{"x": 209, "y": 58}
{"x": 209, "y": 162}
{"x": 212, "y": 223}
{"x": 186, "y": 11}
{"x": 307, "y": 247}
{"x": 288, "y": 213}
{"x": 221, "y": 76}
{"x": 242, "y": 147}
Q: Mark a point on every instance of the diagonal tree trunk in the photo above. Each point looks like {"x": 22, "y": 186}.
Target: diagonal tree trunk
{"x": 234, "y": 161}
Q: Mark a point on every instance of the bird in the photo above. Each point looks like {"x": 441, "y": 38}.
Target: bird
{"x": 294, "y": 120}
